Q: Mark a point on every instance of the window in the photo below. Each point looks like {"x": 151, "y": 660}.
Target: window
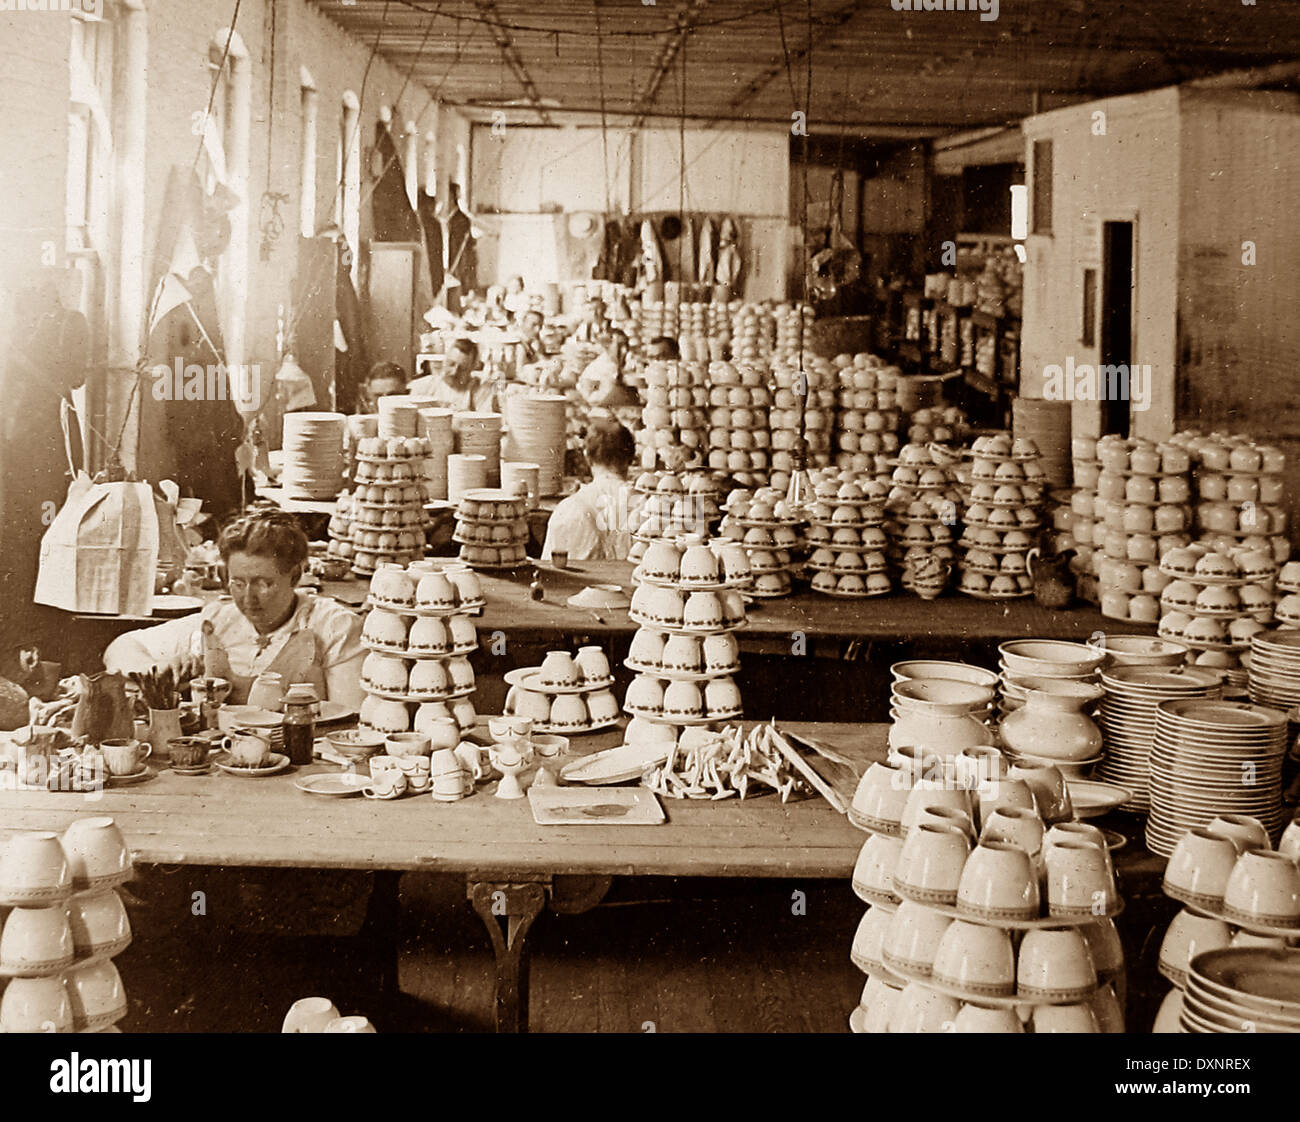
{"x": 1042, "y": 209}
{"x": 307, "y": 183}
{"x": 90, "y": 151}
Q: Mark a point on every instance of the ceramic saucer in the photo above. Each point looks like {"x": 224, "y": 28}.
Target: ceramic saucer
{"x": 135, "y": 777}
{"x": 278, "y": 764}
{"x": 333, "y": 785}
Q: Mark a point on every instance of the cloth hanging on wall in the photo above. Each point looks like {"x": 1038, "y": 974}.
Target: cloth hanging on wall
{"x": 391, "y": 215}
{"x": 708, "y": 236}
{"x": 729, "y": 264}
{"x": 686, "y": 272}
{"x": 432, "y": 225}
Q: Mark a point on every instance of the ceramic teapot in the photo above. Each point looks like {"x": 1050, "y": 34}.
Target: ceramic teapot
{"x": 1052, "y": 579}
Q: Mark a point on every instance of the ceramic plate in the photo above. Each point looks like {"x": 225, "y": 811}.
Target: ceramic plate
{"x": 333, "y": 785}
{"x": 175, "y": 605}
{"x": 617, "y": 765}
{"x": 278, "y": 764}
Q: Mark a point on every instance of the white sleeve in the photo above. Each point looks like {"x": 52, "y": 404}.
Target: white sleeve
{"x": 168, "y": 644}
{"x": 340, "y": 634}
{"x": 572, "y": 527}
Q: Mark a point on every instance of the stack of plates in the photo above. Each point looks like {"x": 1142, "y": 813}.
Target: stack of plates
{"x": 535, "y": 425}
{"x": 313, "y": 455}
{"x": 435, "y": 427}
{"x": 479, "y": 434}
{"x": 1128, "y": 718}
{"x": 398, "y": 416}
{"x": 1243, "y": 989}
{"x": 1210, "y": 758}
{"x": 1274, "y": 674}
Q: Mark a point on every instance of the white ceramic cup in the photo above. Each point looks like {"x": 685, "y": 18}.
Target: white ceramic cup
{"x": 33, "y": 868}
{"x": 879, "y": 999}
{"x": 976, "y": 958}
{"x": 1189, "y": 934}
{"x": 1199, "y": 868}
{"x": 1016, "y": 825}
{"x": 1263, "y": 887}
{"x": 881, "y": 797}
{"x": 1079, "y": 881}
{"x": 919, "y": 1009}
{"x": 873, "y": 873}
{"x": 1055, "y": 963}
{"x": 1242, "y": 830}
{"x": 982, "y": 1019}
{"x": 913, "y": 935}
{"x": 309, "y": 1014}
{"x": 999, "y": 882}
{"x": 35, "y": 940}
{"x": 869, "y": 938}
{"x": 98, "y": 999}
{"x": 99, "y": 923}
{"x": 36, "y": 1005}
{"x": 1064, "y": 1018}
{"x": 96, "y": 852}
{"x": 930, "y": 864}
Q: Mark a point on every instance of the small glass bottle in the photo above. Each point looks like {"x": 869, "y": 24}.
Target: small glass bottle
{"x": 300, "y": 723}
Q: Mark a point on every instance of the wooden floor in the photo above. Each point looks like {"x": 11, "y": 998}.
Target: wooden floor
{"x": 658, "y": 956}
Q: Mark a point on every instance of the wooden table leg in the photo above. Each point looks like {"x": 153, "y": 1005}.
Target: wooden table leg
{"x": 518, "y": 905}
{"x": 379, "y": 930}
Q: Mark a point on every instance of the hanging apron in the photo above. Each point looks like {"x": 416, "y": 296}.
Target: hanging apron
{"x": 301, "y": 659}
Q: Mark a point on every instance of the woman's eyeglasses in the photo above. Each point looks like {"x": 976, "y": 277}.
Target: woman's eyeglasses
{"x": 259, "y": 585}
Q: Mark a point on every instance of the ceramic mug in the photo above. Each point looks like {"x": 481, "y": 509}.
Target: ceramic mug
{"x": 443, "y": 732}
{"x": 1055, "y": 963}
{"x": 247, "y": 748}
{"x": 976, "y": 958}
{"x": 1242, "y": 830}
{"x": 1263, "y": 887}
{"x": 388, "y": 784}
{"x": 930, "y": 864}
{"x": 407, "y": 744}
{"x": 913, "y": 935}
{"x": 470, "y": 756}
{"x": 873, "y": 874}
{"x": 999, "y": 882}
{"x": 1199, "y": 868}
{"x": 1079, "y": 881}
{"x": 124, "y": 757}
{"x": 309, "y": 1014}
{"x": 449, "y": 778}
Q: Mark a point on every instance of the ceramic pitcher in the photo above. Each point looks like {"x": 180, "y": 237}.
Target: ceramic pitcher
{"x": 164, "y": 725}
{"x": 103, "y": 712}
{"x": 1052, "y": 722}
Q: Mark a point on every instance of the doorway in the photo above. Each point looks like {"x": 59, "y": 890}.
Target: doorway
{"x": 1116, "y": 315}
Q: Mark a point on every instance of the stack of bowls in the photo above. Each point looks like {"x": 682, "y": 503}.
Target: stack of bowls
{"x": 1043, "y": 658}
{"x": 923, "y": 687}
{"x": 740, "y": 438}
{"x": 1138, "y": 650}
{"x": 867, "y": 419}
{"x": 566, "y": 694}
{"x": 1240, "y": 493}
{"x": 65, "y": 925}
{"x": 979, "y": 918}
{"x": 420, "y": 633}
{"x": 847, "y": 538}
{"x": 388, "y": 519}
{"x": 1002, "y": 516}
{"x": 670, "y": 505}
{"x": 762, "y": 522}
{"x": 1216, "y": 602}
{"x": 1224, "y": 896}
{"x": 1211, "y": 758}
{"x": 801, "y": 381}
{"x": 1243, "y": 990}
{"x": 687, "y": 604}
{"x": 924, "y": 508}
{"x": 1274, "y": 672}
{"x": 1286, "y": 607}
{"x": 1128, "y": 719}
{"x": 492, "y": 529}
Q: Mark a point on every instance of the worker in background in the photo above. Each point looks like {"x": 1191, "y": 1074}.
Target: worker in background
{"x": 516, "y": 301}
{"x": 529, "y": 328}
{"x": 594, "y": 325}
{"x": 384, "y": 378}
{"x": 461, "y": 385}
{"x": 663, "y": 347}
{"x": 593, "y": 524}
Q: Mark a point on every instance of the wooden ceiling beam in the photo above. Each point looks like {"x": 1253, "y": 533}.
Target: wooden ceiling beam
{"x": 488, "y": 9}
{"x": 688, "y": 11}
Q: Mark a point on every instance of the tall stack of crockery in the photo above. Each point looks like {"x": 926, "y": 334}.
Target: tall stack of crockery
{"x": 739, "y": 437}
{"x": 388, "y": 517}
{"x": 419, "y": 632}
{"x": 866, "y": 424}
{"x": 924, "y": 509}
{"x": 1002, "y": 517}
{"x": 762, "y": 522}
{"x": 672, "y": 505}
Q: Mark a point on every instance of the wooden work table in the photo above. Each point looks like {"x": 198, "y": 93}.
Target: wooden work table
{"x": 511, "y": 865}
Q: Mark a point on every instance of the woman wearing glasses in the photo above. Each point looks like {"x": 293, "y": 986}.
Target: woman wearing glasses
{"x": 265, "y": 624}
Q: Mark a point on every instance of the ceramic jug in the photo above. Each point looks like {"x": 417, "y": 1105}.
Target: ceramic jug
{"x": 1052, "y": 723}
{"x": 103, "y": 712}
{"x": 164, "y": 725}
{"x": 1052, "y": 579}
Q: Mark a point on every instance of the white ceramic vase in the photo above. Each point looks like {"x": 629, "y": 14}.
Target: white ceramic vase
{"x": 941, "y": 728}
{"x": 1052, "y": 724}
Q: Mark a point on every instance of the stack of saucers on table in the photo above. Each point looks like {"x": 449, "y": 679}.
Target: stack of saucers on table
{"x": 313, "y": 455}
{"x": 675, "y": 418}
{"x": 1227, "y": 879}
{"x": 1216, "y": 602}
{"x": 1002, "y": 516}
{"x": 805, "y": 383}
{"x": 924, "y": 508}
{"x": 420, "y": 634}
{"x": 492, "y": 529}
{"x": 687, "y": 603}
{"x": 567, "y": 694}
{"x": 1214, "y": 757}
{"x": 388, "y": 516}
{"x": 763, "y": 523}
{"x": 740, "y": 438}
{"x": 1240, "y": 492}
{"x": 1274, "y": 673}
{"x": 1141, "y": 511}
{"x": 846, "y": 537}
{"x": 64, "y": 923}
{"x": 671, "y": 504}
{"x": 983, "y": 915}
{"x": 866, "y": 423}
{"x": 1128, "y": 719}
{"x": 1286, "y": 595}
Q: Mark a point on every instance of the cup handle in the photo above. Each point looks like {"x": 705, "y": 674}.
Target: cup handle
{"x": 225, "y": 743}
{"x": 148, "y": 751}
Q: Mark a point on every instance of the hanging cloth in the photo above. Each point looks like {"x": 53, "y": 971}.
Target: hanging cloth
{"x": 729, "y": 265}
{"x": 606, "y": 267}
{"x": 686, "y": 251}
{"x": 708, "y": 238}
{"x": 432, "y": 224}
{"x": 652, "y": 261}
{"x": 629, "y": 255}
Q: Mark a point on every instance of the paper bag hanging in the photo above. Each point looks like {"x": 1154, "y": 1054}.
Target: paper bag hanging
{"x": 101, "y": 551}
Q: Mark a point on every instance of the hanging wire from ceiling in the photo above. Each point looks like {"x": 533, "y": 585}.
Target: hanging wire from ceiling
{"x": 216, "y": 81}
{"x": 681, "y": 166}
{"x": 604, "y": 123}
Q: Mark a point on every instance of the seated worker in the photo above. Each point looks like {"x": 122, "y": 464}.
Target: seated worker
{"x": 460, "y": 386}
{"x": 265, "y": 624}
{"x": 516, "y": 300}
{"x": 529, "y": 327}
{"x": 594, "y": 324}
{"x": 384, "y": 378}
{"x": 601, "y": 382}
{"x": 593, "y": 523}
{"x": 663, "y": 347}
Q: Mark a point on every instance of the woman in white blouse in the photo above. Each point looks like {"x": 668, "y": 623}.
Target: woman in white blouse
{"x": 266, "y": 624}
{"x": 592, "y": 524}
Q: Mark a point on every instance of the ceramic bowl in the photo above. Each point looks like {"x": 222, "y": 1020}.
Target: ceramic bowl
{"x": 356, "y": 744}
{"x": 1055, "y": 963}
{"x": 1080, "y": 881}
{"x": 919, "y": 1009}
{"x": 36, "y": 941}
{"x": 1064, "y": 1018}
{"x": 407, "y": 744}
{"x": 98, "y": 999}
{"x": 926, "y": 669}
{"x": 34, "y": 870}
{"x": 36, "y": 1005}
{"x": 982, "y": 1019}
{"x": 97, "y": 853}
{"x": 99, "y": 924}
{"x": 1263, "y": 887}
{"x": 873, "y": 873}
{"x": 1199, "y": 868}
{"x": 913, "y": 936}
{"x": 1187, "y": 935}
{"x": 1049, "y": 658}
{"x": 930, "y": 864}
{"x": 309, "y": 1014}
{"x": 999, "y": 882}
{"x": 976, "y": 958}
{"x": 880, "y": 797}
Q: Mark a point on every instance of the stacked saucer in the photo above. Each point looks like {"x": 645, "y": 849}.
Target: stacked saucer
{"x": 1243, "y": 989}
{"x": 1274, "y": 672}
{"x": 762, "y": 522}
{"x": 1128, "y": 719}
{"x": 420, "y": 634}
{"x": 671, "y": 505}
{"x": 847, "y": 538}
{"x": 1216, "y": 602}
{"x": 388, "y": 516}
{"x": 688, "y": 594}
{"x": 492, "y": 529}
{"x": 565, "y": 694}
{"x": 924, "y": 508}
{"x": 313, "y": 455}
{"x": 1002, "y": 515}
{"x": 1210, "y": 758}
{"x": 740, "y": 438}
